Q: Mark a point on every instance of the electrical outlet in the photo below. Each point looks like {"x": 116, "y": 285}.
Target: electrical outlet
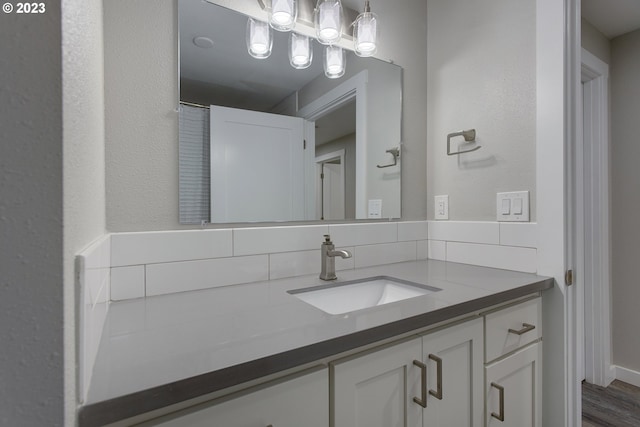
{"x": 513, "y": 206}
{"x": 442, "y": 207}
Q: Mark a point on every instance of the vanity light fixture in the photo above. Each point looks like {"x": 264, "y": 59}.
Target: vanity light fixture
{"x": 365, "y": 32}
{"x": 328, "y": 21}
{"x": 259, "y": 38}
{"x": 334, "y": 62}
{"x": 283, "y": 14}
{"x": 300, "y": 51}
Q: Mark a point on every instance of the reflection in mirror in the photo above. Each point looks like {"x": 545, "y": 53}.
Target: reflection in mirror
{"x": 262, "y": 141}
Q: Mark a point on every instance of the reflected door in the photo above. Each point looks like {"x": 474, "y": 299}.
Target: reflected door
{"x": 257, "y": 166}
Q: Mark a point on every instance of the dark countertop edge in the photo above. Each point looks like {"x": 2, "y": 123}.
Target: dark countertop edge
{"x": 137, "y": 403}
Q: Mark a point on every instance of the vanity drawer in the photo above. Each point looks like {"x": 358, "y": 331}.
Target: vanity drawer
{"x": 510, "y": 328}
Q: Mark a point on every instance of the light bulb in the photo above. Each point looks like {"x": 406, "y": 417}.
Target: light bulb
{"x": 300, "y": 51}
{"x": 259, "y": 39}
{"x": 334, "y": 62}
{"x": 365, "y": 33}
{"x": 283, "y": 14}
{"x": 328, "y": 21}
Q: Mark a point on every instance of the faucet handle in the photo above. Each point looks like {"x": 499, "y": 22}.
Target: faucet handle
{"x": 327, "y": 238}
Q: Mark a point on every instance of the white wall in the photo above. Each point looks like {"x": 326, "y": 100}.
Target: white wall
{"x": 142, "y": 93}
{"x": 31, "y": 227}
{"x": 625, "y": 178}
{"x": 595, "y": 42}
{"x": 482, "y": 61}
{"x": 83, "y": 160}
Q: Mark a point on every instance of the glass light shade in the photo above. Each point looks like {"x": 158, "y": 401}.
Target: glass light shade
{"x": 300, "y": 51}
{"x": 283, "y": 14}
{"x": 259, "y": 38}
{"x": 328, "y": 21}
{"x": 365, "y": 34}
{"x": 334, "y": 62}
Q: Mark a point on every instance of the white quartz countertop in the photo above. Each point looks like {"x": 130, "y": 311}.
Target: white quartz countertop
{"x": 164, "y": 343}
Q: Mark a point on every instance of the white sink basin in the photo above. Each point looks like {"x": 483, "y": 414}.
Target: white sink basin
{"x": 344, "y": 297}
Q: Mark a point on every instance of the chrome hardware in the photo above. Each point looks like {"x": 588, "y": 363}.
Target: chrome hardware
{"x": 438, "y": 393}
{"x": 327, "y": 258}
{"x": 500, "y": 415}
{"x": 469, "y": 136}
{"x": 395, "y": 152}
{"x": 526, "y": 327}
{"x": 423, "y": 384}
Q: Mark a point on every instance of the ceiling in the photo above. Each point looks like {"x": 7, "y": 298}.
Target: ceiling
{"x": 612, "y": 17}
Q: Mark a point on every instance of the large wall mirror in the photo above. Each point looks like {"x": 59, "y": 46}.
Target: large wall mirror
{"x": 261, "y": 141}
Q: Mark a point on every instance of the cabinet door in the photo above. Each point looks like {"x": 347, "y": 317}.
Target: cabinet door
{"x": 377, "y": 389}
{"x": 301, "y": 401}
{"x": 513, "y": 389}
{"x": 455, "y": 376}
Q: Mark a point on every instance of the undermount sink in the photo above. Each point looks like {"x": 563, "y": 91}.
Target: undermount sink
{"x": 344, "y": 297}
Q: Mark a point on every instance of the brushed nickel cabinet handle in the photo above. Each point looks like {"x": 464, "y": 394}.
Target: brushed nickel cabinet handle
{"x": 526, "y": 327}
{"x": 500, "y": 415}
{"x": 423, "y": 384}
{"x": 438, "y": 393}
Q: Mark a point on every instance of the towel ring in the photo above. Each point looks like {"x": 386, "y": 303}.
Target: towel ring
{"x": 469, "y": 136}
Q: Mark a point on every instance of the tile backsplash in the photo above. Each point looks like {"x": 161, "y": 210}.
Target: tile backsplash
{"x": 123, "y": 266}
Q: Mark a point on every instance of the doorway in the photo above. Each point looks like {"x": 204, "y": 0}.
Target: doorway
{"x": 330, "y": 186}
{"x": 592, "y": 225}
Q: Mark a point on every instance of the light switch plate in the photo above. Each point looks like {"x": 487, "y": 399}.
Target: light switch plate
{"x": 513, "y": 206}
{"x": 442, "y": 207}
{"x": 375, "y": 208}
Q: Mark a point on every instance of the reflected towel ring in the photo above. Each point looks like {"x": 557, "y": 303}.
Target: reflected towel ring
{"x": 469, "y": 136}
{"x": 395, "y": 152}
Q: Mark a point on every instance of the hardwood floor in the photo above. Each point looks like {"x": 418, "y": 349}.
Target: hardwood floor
{"x": 615, "y": 406}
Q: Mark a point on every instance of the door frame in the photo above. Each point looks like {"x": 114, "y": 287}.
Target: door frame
{"x": 593, "y": 225}
{"x": 355, "y": 87}
{"x": 320, "y": 160}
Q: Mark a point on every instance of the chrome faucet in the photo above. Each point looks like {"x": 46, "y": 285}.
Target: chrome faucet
{"x": 327, "y": 258}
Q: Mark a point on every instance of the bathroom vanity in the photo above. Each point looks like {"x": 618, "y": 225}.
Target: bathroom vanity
{"x": 255, "y": 354}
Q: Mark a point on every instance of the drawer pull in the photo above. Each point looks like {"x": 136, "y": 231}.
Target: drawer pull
{"x": 423, "y": 384}
{"x": 438, "y": 393}
{"x": 526, "y": 327}
{"x": 500, "y": 415}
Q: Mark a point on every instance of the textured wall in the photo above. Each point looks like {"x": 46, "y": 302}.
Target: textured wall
{"x": 141, "y": 95}
{"x": 31, "y": 236}
{"x": 84, "y": 162}
{"x": 482, "y": 61}
{"x": 625, "y": 197}
{"x": 141, "y": 125}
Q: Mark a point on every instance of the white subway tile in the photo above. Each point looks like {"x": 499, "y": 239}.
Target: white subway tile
{"x": 422, "y": 249}
{"x": 515, "y": 234}
{"x": 363, "y": 234}
{"x": 504, "y": 257}
{"x": 191, "y": 275}
{"x": 412, "y": 230}
{"x": 264, "y": 240}
{"x": 437, "y": 250}
{"x": 386, "y": 253}
{"x": 465, "y": 231}
{"x": 169, "y": 246}
{"x": 127, "y": 282}
{"x": 290, "y": 264}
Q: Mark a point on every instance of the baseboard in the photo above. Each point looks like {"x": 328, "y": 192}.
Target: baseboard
{"x": 627, "y": 375}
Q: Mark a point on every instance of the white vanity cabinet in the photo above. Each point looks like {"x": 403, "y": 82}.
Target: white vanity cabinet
{"x": 434, "y": 380}
{"x": 294, "y": 402}
{"x": 513, "y": 373}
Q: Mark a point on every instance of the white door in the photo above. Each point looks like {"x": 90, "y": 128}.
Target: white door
{"x": 332, "y": 190}
{"x": 377, "y": 389}
{"x": 455, "y": 376}
{"x": 257, "y": 166}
